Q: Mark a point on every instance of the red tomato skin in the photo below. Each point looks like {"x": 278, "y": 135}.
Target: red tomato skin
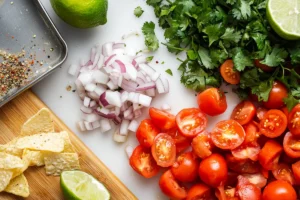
{"x": 274, "y": 128}
{"x": 252, "y": 132}
{"x": 190, "y": 122}
{"x": 228, "y": 73}
{"x": 294, "y": 120}
{"x": 162, "y": 119}
{"x": 245, "y": 151}
{"x": 202, "y": 145}
{"x": 181, "y": 142}
{"x": 199, "y": 191}
{"x": 283, "y": 172}
{"x": 213, "y": 170}
{"x": 263, "y": 67}
{"x": 249, "y": 192}
{"x": 185, "y": 168}
{"x": 285, "y": 111}
{"x": 212, "y": 101}
{"x": 276, "y": 96}
{"x": 296, "y": 172}
{"x": 244, "y": 112}
{"x": 269, "y": 154}
{"x": 170, "y": 187}
{"x": 260, "y": 113}
{"x": 287, "y": 141}
{"x": 256, "y": 179}
{"x": 146, "y": 133}
{"x": 143, "y": 163}
{"x": 279, "y": 190}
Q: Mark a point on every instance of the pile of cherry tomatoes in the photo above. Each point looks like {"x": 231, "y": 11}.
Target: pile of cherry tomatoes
{"x": 253, "y": 155}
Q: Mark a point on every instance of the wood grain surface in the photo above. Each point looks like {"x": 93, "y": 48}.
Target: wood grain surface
{"x": 12, "y": 117}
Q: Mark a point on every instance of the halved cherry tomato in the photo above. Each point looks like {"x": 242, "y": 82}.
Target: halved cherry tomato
{"x": 228, "y": 134}
{"x": 263, "y": 67}
{"x": 273, "y": 124}
{"x": 181, "y": 142}
{"x": 185, "y": 168}
{"x": 162, "y": 119}
{"x": 212, "y": 101}
{"x": 296, "y": 172}
{"x": 190, "y": 122}
{"x": 283, "y": 172}
{"x": 257, "y": 179}
{"x": 164, "y": 150}
{"x": 260, "y": 113}
{"x": 244, "y": 112}
{"x": 199, "y": 191}
{"x": 294, "y": 120}
{"x": 202, "y": 145}
{"x": 143, "y": 163}
{"x": 264, "y": 172}
{"x": 285, "y": 111}
{"x": 213, "y": 170}
{"x": 249, "y": 150}
{"x": 170, "y": 187}
{"x": 229, "y": 74}
{"x": 279, "y": 190}
{"x": 221, "y": 194}
{"x": 252, "y": 132}
{"x": 242, "y": 165}
{"x": 146, "y": 133}
{"x": 291, "y": 145}
{"x": 269, "y": 154}
{"x": 276, "y": 96}
{"x": 247, "y": 190}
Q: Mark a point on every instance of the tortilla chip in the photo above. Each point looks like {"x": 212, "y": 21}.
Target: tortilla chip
{"x": 52, "y": 142}
{"x": 8, "y": 161}
{"x": 19, "y": 171}
{"x": 39, "y": 123}
{"x": 56, "y": 163}
{"x": 35, "y": 158}
{"x": 18, "y": 186}
{"x": 5, "y": 177}
{"x": 68, "y": 148}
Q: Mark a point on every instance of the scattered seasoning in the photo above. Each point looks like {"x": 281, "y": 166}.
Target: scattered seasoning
{"x": 48, "y": 56}
{"x": 156, "y": 62}
{"x": 51, "y": 49}
{"x": 73, "y": 90}
{"x": 60, "y": 96}
{"x": 69, "y": 88}
{"x": 168, "y": 71}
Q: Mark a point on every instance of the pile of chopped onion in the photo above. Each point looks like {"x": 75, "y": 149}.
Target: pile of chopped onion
{"x": 115, "y": 87}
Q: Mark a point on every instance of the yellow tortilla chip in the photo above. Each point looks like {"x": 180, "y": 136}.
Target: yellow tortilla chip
{"x": 5, "y": 177}
{"x": 8, "y": 161}
{"x": 18, "y": 186}
{"x": 56, "y": 163}
{"x": 19, "y": 171}
{"x": 11, "y": 148}
{"x": 39, "y": 123}
{"x": 35, "y": 158}
{"x": 68, "y": 148}
{"x": 52, "y": 142}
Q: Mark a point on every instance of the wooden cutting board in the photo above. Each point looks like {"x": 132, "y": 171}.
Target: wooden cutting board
{"x": 12, "y": 117}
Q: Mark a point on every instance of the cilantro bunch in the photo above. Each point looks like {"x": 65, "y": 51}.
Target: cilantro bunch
{"x": 211, "y": 31}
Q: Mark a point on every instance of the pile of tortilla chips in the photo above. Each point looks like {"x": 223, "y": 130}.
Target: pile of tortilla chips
{"x": 37, "y": 145}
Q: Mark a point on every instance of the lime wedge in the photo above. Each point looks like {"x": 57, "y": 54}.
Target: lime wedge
{"x": 78, "y": 185}
{"x": 284, "y": 17}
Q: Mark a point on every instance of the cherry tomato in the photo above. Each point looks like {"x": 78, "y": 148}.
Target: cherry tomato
{"x": 181, "y": 142}
{"x": 202, "y": 145}
{"x": 190, "y": 122}
{"x": 260, "y": 113}
{"x": 256, "y": 179}
{"x": 146, "y": 133}
{"x": 294, "y": 120}
{"x": 248, "y": 150}
{"x": 273, "y": 124}
{"x": 264, "y": 172}
{"x": 161, "y": 119}
{"x": 291, "y": 145}
{"x": 276, "y": 96}
{"x": 221, "y": 194}
{"x": 228, "y": 134}
{"x": 199, "y": 191}
{"x": 143, "y": 163}
{"x": 263, "y": 67}
{"x": 170, "y": 187}
{"x": 283, "y": 172}
{"x": 285, "y": 111}
{"x": 164, "y": 150}
{"x": 296, "y": 172}
{"x": 244, "y": 112}
{"x": 213, "y": 170}
{"x": 212, "y": 101}
{"x": 229, "y": 74}
{"x": 185, "y": 168}
{"x": 242, "y": 165}
{"x": 252, "y": 132}
{"x": 247, "y": 190}
{"x": 279, "y": 190}
{"x": 269, "y": 154}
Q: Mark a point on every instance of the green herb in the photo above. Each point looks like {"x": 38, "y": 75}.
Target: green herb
{"x": 169, "y": 71}
{"x": 138, "y": 11}
{"x": 151, "y": 40}
{"x": 149, "y": 58}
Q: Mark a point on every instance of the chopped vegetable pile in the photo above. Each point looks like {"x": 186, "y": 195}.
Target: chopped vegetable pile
{"x": 212, "y": 31}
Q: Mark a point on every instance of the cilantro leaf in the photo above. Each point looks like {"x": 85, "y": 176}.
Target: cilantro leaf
{"x": 138, "y": 11}
{"x": 213, "y": 32}
{"x": 290, "y": 102}
{"x": 151, "y": 40}
{"x": 169, "y": 71}
{"x": 245, "y": 8}
{"x": 263, "y": 90}
{"x": 153, "y": 2}
{"x": 204, "y": 58}
{"x": 277, "y": 56}
{"x": 231, "y": 35}
{"x": 241, "y": 59}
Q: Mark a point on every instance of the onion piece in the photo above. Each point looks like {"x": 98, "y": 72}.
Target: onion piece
{"x": 144, "y": 100}
{"x": 146, "y": 86}
{"x": 100, "y": 63}
{"x": 136, "y": 106}
{"x": 107, "y": 48}
{"x": 106, "y": 113}
{"x": 79, "y": 86}
{"x": 139, "y": 60}
{"x": 81, "y": 126}
{"x": 85, "y": 77}
{"x": 111, "y": 85}
{"x": 129, "y": 151}
{"x": 151, "y": 92}
{"x": 100, "y": 77}
{"x": 96, "y": 59}
{"x": 88, "y": 125}
{"x": 86, "y": 101}
{"x": 160, "y": 86}
{"x": 96, "y": 124}
{"x": 128, "y": 112}
{"x": 165, "y": 84}
{"x": 137, "y": 113}
{"x": 93, "y": 54}
{"x": 86, "y": 110}
{"x": 99, "y": 90}
{"x": 90, "y": 87}
{"x": 93, "y": 104}
{"x": 124, "y": 127}
{"x": 118, "y": 137}
{"x": 91, "y": 117}
{"x": 110, "y": 60}
{"x": 73, "y": 69}
{"x": 166, "y": 107}
{"x": 133, "y": 126}
{"x": 104, "y": 125}
{"x": 117, "y": 120}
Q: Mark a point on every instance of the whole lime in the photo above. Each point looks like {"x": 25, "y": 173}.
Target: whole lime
{"x": 81, "y": 13}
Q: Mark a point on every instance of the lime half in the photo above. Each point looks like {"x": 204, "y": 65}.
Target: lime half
{"x": 284, "y": 17}
{"x": 78, "y": 185}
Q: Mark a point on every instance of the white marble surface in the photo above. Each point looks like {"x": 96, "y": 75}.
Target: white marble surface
{"x": 52, "y": 90}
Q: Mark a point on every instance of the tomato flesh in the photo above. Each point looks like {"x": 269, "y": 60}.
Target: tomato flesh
{"x": 190, "y": 122}
{"x": 199, "y": 191}
{"x": 256, "y": 179}
{"x": 202, "y": 145}
{"x": 250, "y": 150}
{"x": 291, "y": 145}
{"x": 244, "y": 112}
{"x": 283, "y": 172}
{"x": 260, "y": 113}
{"x": 229, "y": 74}
{"x": 228, "y": 134}
{"x": 181, "y": 142}
{"x": 170, "y": 187}
{"x": 146, "y": 133}
{"x": 143, "y": 163}
{"x": 212, "y": 101}
{"x": 279, "y": 190}
{"x": 164, "y": 150}
{"x": 163, "y": 120}
{"x": 247, "y": 190}
{"x": 273, "y": 124}
{"x": 296, "y": 172}
{"x": 242, "y": 165}
{"x": 269, "y": 155}
{"x": 294, "y": 120}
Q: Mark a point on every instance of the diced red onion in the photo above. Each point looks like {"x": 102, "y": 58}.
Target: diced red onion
{"x": 146, "y": 86}
{"x": 91, "y": 117}
{"x": 124, "y": 96}
{"x": 104, "y": 112}
{"x": 104, "y": 125}
{"x": 121, "y": 65}
{"x": 81, "y": 126}
{"x": 85, "y": 77}
{"x": 117, "y": 120}
{"x": 99, "y": 90}
{"x": 166, "y": 84}
{"x": 82, "y": 62}
{"x": 100, "y": 62}
{"x": 93, "y": 104}
{"x": 139, "y": 60}
{"x": 155, "y": 76}
{"x": 107, "y": 48}
{"x": 144, "y": 100}
{"x": 124, "y": 107}
{"x": 151, "y": 92}
{"x": 129, "y": 117}
{"x": 90, "y": 87}
{"x": 117, "y": 111}
{"x": 108, "y": 69}
{"x": 129, "y": 151}
{"x": 160, "y": 86}
{"x": 86, "y": 110}
{"x": 102, "y": 100}
{"x": 147, "y": 69}
{"x": 93, "y": 95}
{"x": 86, "y": 101}
{"x": 73, "y": 69}
{"x": 118, "y": 137}
{"x": 136, "y": 106}
{"x": 124, "y": 127}
{"x": 96, "y": 60}
{"x": 133, "y": 126}
{"x": 100, "y": 77}
{"x": 166, "y": 107}
{"x": 96, "y": 124}
{"x": 119, "y": 45}
{"x": 110, "y": 60}
{"x": 120, "y": 81}
{"x": 93, "y": 54}
{"x": 79, "y": 86}
{"x": 88, "y": 125}
{"x": 137, "y": 113}
{"x": 111, "y": 85}
{"x": 128, "y": 112}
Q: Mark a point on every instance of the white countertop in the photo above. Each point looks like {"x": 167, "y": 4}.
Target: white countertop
{"x": 65, "y": 104}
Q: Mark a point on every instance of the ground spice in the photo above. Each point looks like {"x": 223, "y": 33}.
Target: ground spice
{"x": 15, "y": 70}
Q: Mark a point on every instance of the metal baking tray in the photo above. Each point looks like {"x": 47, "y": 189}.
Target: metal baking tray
{"x": 25, "y": 25}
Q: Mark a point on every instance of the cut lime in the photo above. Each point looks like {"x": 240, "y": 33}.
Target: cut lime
{"x": 284, "y": 17}
{"x": 78, "y": 185}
